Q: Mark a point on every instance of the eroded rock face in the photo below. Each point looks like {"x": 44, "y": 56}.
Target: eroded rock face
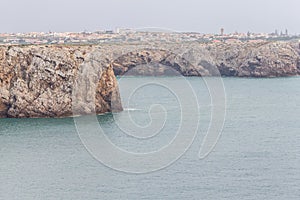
{"x": 155, "y": 62}
{"x": 37, "y": 81}
{"x": 242, "y": 59}
{"x": 256, "y": 59}
{"x": 42, "y": 81}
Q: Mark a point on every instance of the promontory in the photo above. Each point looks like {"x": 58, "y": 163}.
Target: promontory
{"x": 44, "y": 81}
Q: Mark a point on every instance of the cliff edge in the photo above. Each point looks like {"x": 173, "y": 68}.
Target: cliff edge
{"x": 229, "y": 58}
{"x": 55, "y": 81}
{"x": 37, "y": 81}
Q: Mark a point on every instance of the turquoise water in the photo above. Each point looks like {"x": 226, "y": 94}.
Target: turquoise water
{"x": 256, "y": 157}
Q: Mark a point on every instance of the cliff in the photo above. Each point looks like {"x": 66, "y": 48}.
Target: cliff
{"x": 38, "y": 81}
{"x": 46, "y": 81}
{"x": 238, "y": 59}
{"x": 256, "y": 59}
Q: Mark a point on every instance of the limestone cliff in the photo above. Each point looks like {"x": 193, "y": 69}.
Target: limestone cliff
{"x": 37, "y": 81}
{"x": 256, "y": 59}
{"x": 241, "y": 59}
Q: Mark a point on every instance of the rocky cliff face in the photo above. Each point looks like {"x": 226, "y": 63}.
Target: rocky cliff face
{"x": 42, "y": 81}
{"x": 256, "y": 59}
{"x": 37, "y": 81}
{"x": 242, "y": 59}
{"x": 155, "y": 62}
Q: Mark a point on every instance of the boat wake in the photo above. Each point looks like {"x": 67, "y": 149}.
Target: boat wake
{"x": 132, "y": 109}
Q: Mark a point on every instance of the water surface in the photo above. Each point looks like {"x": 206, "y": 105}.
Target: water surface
{"x": 257, "y": 156}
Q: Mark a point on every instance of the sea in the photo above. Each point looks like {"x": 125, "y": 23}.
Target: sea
{"x": 255, "y": 153}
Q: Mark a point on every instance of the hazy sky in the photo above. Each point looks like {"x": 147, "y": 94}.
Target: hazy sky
{"x": 206, "y": 16}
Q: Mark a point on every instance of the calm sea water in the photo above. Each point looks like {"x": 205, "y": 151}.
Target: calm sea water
{"x": 257, "y": 156}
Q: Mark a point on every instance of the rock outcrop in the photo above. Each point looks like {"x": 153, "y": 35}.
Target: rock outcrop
{"x": 241, "y": 59}
{"x": 38, "y": 81}
{"x": 55, "y": 81}
{"x": 155, "y": 62}
{"x": 255, "y": 59}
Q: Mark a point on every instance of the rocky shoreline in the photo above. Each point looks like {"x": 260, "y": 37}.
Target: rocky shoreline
{"x": 235, "y": 59}
{"x": 39, "y": 81}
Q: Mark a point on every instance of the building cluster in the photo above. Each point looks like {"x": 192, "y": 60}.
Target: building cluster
{"x": 131, "y": 36}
